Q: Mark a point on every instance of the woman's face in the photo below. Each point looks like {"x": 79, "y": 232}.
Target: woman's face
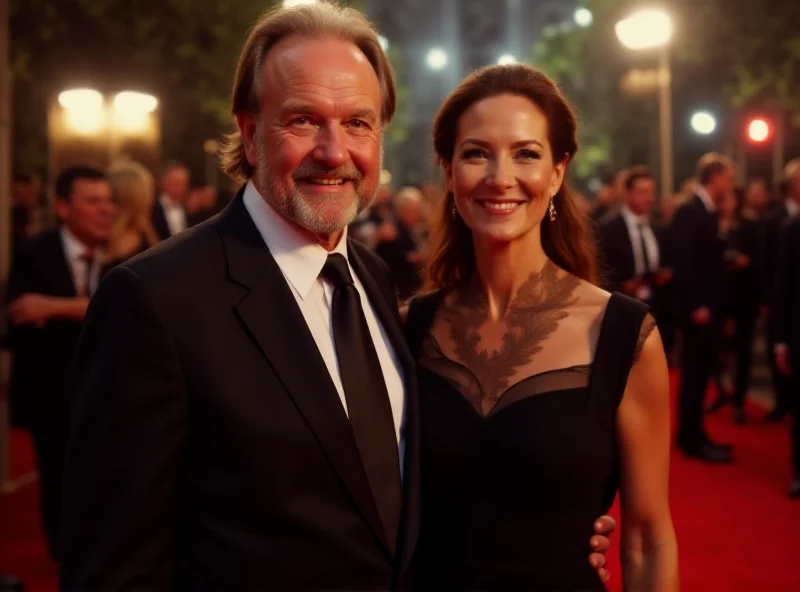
{"x": 503, "y": 172}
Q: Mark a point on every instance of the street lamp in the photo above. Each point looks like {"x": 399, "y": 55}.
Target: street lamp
{"x": 436, "y": 58}
{"x": 583, "y": 17}
{"x": 84, "y": 110}
{"x": 649, "y": 29}
{"x": 384, "y": 42}
{"x": 506, "y": 60}
{"x": 703, "y": 122}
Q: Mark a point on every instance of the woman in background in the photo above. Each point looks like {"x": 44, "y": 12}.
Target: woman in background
{"x": 133, "y": 188}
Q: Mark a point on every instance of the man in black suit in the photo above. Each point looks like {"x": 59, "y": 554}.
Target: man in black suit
{"x": 169, "y": 214}
{"x": 786, "y": 325}
{"x": 773, "y": 223}
{"x": 635, "y": 252}
{"x": 264, "y": 435}
{"x": 52, "y": 276}
{"x": 699, "y": 279}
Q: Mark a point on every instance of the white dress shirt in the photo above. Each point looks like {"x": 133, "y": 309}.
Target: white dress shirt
{"x": 301, "y": 262}
{"x": 705, "y": 198}
{"x": 174, "y": 213}
{"x": 75, "y": 252}
{"x": 639, "y": 226}
{"x": 792, "y": 207}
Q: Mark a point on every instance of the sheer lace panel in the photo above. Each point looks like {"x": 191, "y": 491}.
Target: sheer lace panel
{"x": 648, "y": 325}
{"x": 545, "y": 342}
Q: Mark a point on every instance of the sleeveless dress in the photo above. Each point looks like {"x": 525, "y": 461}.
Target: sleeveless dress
{"x": 510, "y": 497}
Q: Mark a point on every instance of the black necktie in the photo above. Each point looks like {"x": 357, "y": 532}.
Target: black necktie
{"x": 368, "y": 403}
{"x": 645, "y": 257}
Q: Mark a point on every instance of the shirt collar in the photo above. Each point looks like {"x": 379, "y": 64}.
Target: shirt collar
{"x": 633, "y": 219}
{"x": 705, "y": 198}
{"x": 74, "y": 248}
{"x": 300, "y": 259}
{"x": 167, "y": 202}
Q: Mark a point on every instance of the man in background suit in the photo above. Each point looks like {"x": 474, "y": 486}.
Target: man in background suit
{"x": 773, "y": 224}
{"x": 786, "y": 329}
{"x": 635, "y": 252}
{"x": 699, "y": 280}
{"x": 266, "y": 435}
{"x": 169, "y": 214}
{"x": 52, "y": 276}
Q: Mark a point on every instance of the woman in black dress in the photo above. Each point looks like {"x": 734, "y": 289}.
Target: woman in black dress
{"x": 540, "y": 393}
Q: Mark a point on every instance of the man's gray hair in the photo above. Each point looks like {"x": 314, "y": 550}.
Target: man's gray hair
{"x": 322, "y": 19}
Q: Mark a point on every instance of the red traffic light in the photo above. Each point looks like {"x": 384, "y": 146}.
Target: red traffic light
{"x": 758, "y": 130}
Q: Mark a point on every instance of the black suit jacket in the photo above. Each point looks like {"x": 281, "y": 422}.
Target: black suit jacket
{"x": 786, "y": 316}
{"x": 698, "y": 263}
{"x": 617, "y": 252}
{"x": 159, "y": 220}
{"x": 771, "y": 227}
{"x": 209, "y": 447}
{"x": 42, "y": 356}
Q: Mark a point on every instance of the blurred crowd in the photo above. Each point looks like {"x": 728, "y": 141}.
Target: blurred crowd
{"x": 733, "y": 249}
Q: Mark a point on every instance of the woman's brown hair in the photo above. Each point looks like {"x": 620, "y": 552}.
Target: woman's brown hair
{"x": 567, "y": 241}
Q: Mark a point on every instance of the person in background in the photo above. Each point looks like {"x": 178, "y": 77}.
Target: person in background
{"x": 405, "y": 254}
{"x": 636, "y": 252}
{"x": 26, "y": 216}
{"x": 169, "y": 214}
{"x": 607, "y": 197}
{"x": 788, "y": 209}
{"x": 132, "y": 186}
{"x": 787, "y": 332}
{"x": 52, "y": 277}
{"x": 756, "y": 200}
{"x": 699, "y": 279}
{"x": 376, "y": 224}
{"x": 740, "y": 249}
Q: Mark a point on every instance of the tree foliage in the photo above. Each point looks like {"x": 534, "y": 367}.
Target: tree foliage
{"x": 183, "y": 51}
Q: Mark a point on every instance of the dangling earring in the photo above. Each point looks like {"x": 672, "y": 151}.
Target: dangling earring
{"x": 552, "y": 209}
{"x": 455, "y": 211}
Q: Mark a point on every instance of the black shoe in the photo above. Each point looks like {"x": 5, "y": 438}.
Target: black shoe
{"x": 739, "y": 417}
{"x": 776, "y": 415}
{"x": 9, "y": 583}
{"x": 718, "y": 445}
{"x": 709, "y": 453}
{"x": 794, "y": 489}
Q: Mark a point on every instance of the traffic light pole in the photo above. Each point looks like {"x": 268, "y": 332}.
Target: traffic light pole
{"x": 778, "y": 148}
{"x": 665, "y": 121}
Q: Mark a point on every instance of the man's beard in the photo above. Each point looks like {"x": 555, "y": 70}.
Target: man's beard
{"x": 306, "y": 211}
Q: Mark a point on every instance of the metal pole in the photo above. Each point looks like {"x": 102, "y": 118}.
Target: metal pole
{"x": 778, "y": 149}
{"x": 665, "y": 120}
{"x": 5, "y": 230}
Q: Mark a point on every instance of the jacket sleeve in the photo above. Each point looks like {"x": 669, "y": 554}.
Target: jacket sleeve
{"x": 126, "y": 448}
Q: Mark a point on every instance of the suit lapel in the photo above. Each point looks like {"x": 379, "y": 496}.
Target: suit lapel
{"x": 630, "y": 248}
{"x": 273, "y": 319}
{"x": 63, "y": 280}
{"x": 387, "y": 314}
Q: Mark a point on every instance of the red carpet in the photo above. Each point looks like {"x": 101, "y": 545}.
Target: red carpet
{"x": 737, "y": 531}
